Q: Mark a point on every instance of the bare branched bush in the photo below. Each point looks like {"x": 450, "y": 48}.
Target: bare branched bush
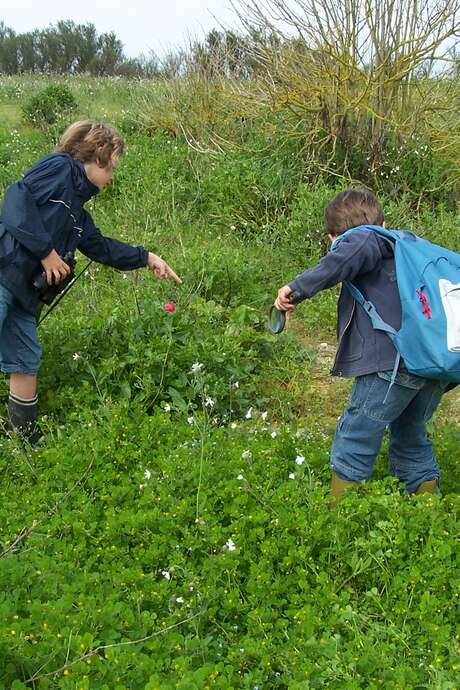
{"x": 358, "y": 76}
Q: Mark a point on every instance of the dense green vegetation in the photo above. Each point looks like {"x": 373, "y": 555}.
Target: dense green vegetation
{"x": 172, "y": 529}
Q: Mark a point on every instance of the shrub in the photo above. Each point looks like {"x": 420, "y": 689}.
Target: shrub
{"x": 49, "y": 105}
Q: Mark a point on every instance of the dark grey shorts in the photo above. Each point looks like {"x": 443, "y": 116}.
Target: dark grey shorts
{"x": 20, "y": 351}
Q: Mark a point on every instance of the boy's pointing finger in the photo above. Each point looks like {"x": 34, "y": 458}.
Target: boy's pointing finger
{"x": 174, "y": 275}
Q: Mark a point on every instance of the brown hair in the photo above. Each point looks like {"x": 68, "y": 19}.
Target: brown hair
{"x": 351, "y": 208}
{"x": 89, "y": 141}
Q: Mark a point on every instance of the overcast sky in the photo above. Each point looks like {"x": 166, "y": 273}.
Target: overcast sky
{"x": 141, "y": 25}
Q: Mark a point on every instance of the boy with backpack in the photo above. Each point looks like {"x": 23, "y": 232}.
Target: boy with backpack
{"x": 43, "y": 219}
{"x": 385, "y": 393}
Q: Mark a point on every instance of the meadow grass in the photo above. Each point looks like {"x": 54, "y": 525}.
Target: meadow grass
{"x": 172, "y": 529}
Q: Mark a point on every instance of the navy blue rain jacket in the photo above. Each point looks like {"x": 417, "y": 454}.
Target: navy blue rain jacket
{"x": 367, "y": 260}
{"x": 45, "y": 211}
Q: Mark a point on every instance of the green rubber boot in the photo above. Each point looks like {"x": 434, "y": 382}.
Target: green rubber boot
{"x": 428, "y": 487}
{"x": 338, "y": 486}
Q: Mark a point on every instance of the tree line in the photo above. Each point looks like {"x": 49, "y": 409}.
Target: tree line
{"x": 70, "y": 48}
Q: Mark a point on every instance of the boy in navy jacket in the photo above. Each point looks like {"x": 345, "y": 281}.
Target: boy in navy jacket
{"x": 43, "y": 219}
{"x": 369, "y": 355}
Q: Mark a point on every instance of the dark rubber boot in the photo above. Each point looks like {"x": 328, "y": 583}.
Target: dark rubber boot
{"x": 22, "y": 417}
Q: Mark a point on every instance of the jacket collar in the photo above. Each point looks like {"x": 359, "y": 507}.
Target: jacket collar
{"x": 85, "y": 188}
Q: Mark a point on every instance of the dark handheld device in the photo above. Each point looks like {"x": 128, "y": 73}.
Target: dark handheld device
{"x": 48, "y": 293}
{"x": 277, "y": 318}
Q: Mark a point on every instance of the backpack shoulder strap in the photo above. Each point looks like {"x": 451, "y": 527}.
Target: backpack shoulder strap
{"x": 377, "y": 322}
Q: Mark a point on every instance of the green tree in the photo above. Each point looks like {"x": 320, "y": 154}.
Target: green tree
{"x": 86, "y": 46}
{"x": 26, "y": 49}
{"x": 8, "y": 50}
{"x": 109, "y": 55}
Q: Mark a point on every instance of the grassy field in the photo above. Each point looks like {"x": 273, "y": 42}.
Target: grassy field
{"x": 172, "y": 529}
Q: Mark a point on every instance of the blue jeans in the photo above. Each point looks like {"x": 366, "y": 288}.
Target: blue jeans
{"x": 20, "y": 351}
{"x": 409, "y": 405}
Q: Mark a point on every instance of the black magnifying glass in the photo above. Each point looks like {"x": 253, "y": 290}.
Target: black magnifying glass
{"x": 277, "y": 318}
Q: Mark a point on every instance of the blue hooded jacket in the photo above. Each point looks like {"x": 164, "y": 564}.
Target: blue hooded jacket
{"x": 368, "y": 261}
{"x": 45, "y": 211}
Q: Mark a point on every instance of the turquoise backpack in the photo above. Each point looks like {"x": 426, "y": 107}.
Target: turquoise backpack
{"x": 428, "y": 279}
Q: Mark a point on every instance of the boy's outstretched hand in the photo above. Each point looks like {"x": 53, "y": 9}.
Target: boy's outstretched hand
{"x": 283, "y": 302}
{"x": 160, "y": 268}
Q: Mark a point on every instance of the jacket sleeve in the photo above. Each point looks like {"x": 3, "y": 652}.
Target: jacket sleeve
{"x": 357, "y": 253}
{"x": 21, "y": 218}
{"x": 106, "y": 250}
{"x": 21, "y": 206}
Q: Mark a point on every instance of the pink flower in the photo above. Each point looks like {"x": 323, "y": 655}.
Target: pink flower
{"x": 170, "y": 306}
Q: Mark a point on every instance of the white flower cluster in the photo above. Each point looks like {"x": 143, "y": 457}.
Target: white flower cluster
{"x": 147, "y": 475}
{"x": 230, "y": 545}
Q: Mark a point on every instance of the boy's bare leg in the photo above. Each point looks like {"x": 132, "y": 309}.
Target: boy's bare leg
{"x": 23, "y": 385}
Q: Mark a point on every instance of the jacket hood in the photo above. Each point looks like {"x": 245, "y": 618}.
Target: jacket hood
{"x": 386, "y": 247}
{"x": 55, "y": 164}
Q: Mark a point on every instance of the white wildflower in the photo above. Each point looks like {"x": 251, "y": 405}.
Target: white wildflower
{"x": 299, "y": 460}
{"x": 248, "y": 414}
{"x": 246, "y": 455}
{"x": 233, "y": 425}
{"x": 147, "y": 474}
{"x": 291, "y": 475}
{"x": 76, "y": 355}
{"x": 209, "y": 402}
{"x": 264, "y": 416}
{"x": 230, "y": 545}
{"x": 273, "y": 434}
{"x": 190, "y": 420}
{"x": 179, "y": 600}
{"x": 167, "y": 407}
{"x": 240, "y": 477}
{"x": 196, "y": 367}
{"x": 166, "y": 574}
